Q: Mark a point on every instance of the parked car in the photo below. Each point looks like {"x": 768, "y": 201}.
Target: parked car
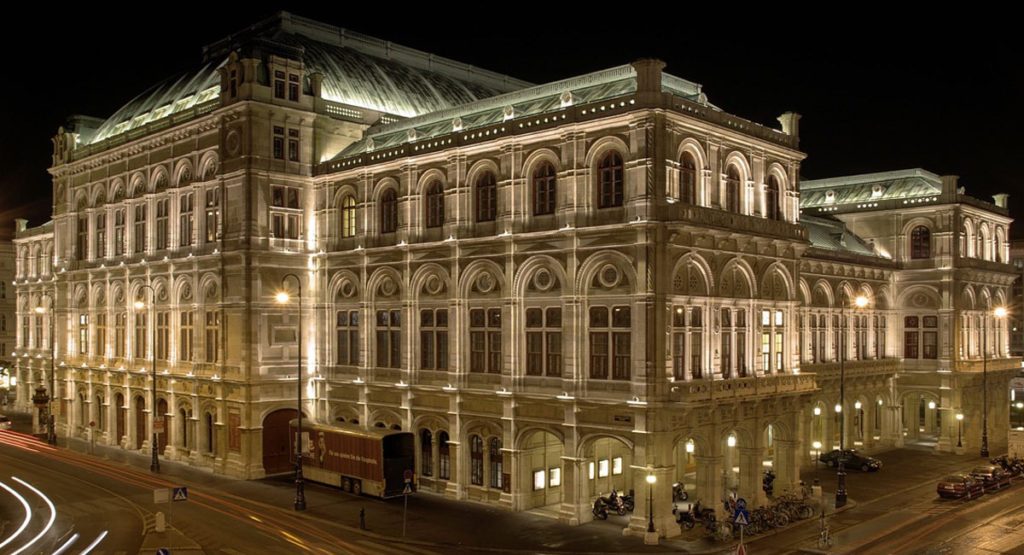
{"x": 851, "y": 459}
{"x": 956, "y": 486}
{"x": 991, "y": 476}
{"x": 5, "y": 423}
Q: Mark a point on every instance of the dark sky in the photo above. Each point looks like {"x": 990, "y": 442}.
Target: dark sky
{"x": 942, "y": 95}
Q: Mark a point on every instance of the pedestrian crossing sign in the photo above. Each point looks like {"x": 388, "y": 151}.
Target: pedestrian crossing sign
{"x": 741, "y": 518}
{"x": 180, "y": 494}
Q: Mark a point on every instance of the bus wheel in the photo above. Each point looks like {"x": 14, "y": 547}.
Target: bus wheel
{"x": 357, "y": 487}
{"x": 346, "y": 485}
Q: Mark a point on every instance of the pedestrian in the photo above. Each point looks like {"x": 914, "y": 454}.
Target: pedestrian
{"x": 362, "y": 518}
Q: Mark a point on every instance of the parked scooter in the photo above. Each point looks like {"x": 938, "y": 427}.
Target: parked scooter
{"x": 679, "y": 492}
{"x": 628, "y": 501}
{"x": 600, "y": 509}
{"x": 614, "y": 502}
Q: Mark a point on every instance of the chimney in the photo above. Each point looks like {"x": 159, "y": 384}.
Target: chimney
{"x": 1001, "y": 199}
{"x": 648, "y": 79}
{"x": 949, "y": 183}
{"x": 791, "y": 125}
{"x": 20, "y": 225}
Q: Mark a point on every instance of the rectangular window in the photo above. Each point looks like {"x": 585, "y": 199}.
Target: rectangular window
{"x": 286, "y": 212}
{"x": 766, "y": 353}
{"x": 485, "y": 340}
{"x": 212, "y": 214}
{"x": 278, "y": 84}
{"x": 544, "y": 342}
{"x": 163, "y": 332}
{"x": 101, "y": 236}
{"x": 140, "y": 228}
{"x": 679, "y": 343}
{"x": 120, "y": 325}
{"x": 24, "y": 331}
{"x": 726, "y": 337}
{"x": 616, "y": 466}
{"x": 930, "y": 337}
{"x": 610, "y": 342}
{"x": 161, "y": 224}
{"x": 38, "y": 341}
{"x": 185, "y": 207}
{"x": 100, "y": 339}
{"x": 476, "y": 461}
{"x": 434, "y": 339}
{"x": 83, "y": 238}
{"x": 880, "y": 333}
{"x": 185, "y": 343}
{"x": 497, "y": 464}
{"x": 539, "y": 480}
{"x": 293, "y": 87}
{"x": 836, "y": 337}
{"x": 212, "y": 335}
{"x": 389, "y": 339}
{"x": 141, "y": 336}
{"x": 119, "y": 232}
{"x": 278, "y": 143}
{"x": 346, "y": 346}
{"x": 554, "y": 477}
{"x": 83, "y": 334}
{"x": 602, "y": 468}
{"x": 293, "y": 145}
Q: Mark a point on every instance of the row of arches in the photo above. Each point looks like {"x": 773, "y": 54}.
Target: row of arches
{"x": 178, "y": 174}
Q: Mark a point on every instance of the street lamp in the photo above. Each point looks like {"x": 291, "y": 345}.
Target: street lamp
{"x": 154, "y": 463}
{"x": 282, "y": 297}
{"x": 999, "y": 312}
{"x": 51, "y": 430}
{"x": 651, "y": 478}
{"x": 860, "y": 301}
{"x": 817, "y": 452}
{"x": 959, "y": 429}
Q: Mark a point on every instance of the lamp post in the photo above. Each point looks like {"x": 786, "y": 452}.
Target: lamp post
{"x": 817, "y": 452}
{"x": 959, "y": 430}
{"x": 651, "y": 478}
{"x": 859, "y": 302}
{"x": 51, "y": 430}
{"x": 154, "y": 463}
{"x": 999, "y": 312}
{"x": 283, "y": 297}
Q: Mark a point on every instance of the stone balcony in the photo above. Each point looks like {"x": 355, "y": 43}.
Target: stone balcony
{"x": 826, "y": 371}
{"x": 701, "y": 391}
{"x": 738, "y": 223}
{"x": 993, "y": 364}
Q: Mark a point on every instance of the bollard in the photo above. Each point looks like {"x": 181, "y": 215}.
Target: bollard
{"x": 161, "y": 524}
{"x": 362, "y": 519}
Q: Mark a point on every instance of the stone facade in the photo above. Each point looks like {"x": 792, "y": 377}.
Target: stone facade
{"x": 559, "y": 289}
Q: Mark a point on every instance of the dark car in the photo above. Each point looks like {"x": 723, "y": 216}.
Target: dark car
{"x": 956, "y": 486}
{"x": 992, "y": 477}
{"x": 851, "y": 459}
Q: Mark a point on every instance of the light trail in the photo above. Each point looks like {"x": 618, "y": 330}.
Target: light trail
{"x": 49, "y": 524}
{"x": 28, "y": 514}
{"x": 94, "y": 543}
{"x": 66, "y": 545}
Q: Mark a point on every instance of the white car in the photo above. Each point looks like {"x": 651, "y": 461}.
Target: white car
{"x": 5, "y": 422}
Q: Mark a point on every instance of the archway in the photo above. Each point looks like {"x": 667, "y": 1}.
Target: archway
{"x": 140, "y": 421}
{"x": 684, "y": 457}
{"x": 540, "y": 467}
{"x": 121, "y": 410}
{"x": 161, "y": 414}
{"x": 276, "y": 448}
{"x": 922, "y": 418}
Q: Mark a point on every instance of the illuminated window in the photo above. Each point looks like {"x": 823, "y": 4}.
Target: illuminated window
{"x": 539, "y": 480}
{"x": 617, "y": 466}
{"x": 590, "y": 470}
{"x": 555, "y": 477}
{"x": 212, "y": 214}
{"x": 602, "y": 468}
{"x": 348, "y": 216}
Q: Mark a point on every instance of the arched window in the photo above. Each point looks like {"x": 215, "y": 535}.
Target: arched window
{"x": 497, "y": 464}
{"x": 444, "y": 461}
{"x": 771, "y": 199}
{"x": 348, "y": 216}
{"x": 732, "y": 190}
{"x": 486, "y": 198}
{"x": 476, "y": 460}
{"x": 965, "y": 240}
{"x": 435, "y": 205}
{"x": 544, "y": 189}
{"x": 688, "y": 179}
{"x": 610, "y": 184}
{"x": 389, "y": 211}
{"x": 426, "y": 453}
{"x": 920, "y": 243}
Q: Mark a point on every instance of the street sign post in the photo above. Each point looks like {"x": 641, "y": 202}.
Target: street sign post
{"x": 741, "y": 519}
{"x": 407, "y": 475}
{"x": 180, "y": 494}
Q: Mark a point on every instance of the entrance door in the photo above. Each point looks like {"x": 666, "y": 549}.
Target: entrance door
{"x": 275, "y": 441}
{"x": 140, "y": 422}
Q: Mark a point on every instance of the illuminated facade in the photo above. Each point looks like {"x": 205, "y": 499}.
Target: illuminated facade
{"x": 559, "y": 289}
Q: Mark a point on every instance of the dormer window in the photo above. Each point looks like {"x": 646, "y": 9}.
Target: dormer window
{"x": 830, "y": 197}
{"x": 278, "y": 84}
{"x": 293, "y": 87}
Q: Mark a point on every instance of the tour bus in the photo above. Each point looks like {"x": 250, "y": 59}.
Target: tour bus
{"x": 372, "y": 462}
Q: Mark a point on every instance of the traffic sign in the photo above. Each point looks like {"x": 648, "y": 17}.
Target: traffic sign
{"x": 180, "y": 494}
{"x": 407, "y": 490}
{"x": 408, "y": 477}
{"x": 742, "y": 517}
{"x": 741, "y": 504}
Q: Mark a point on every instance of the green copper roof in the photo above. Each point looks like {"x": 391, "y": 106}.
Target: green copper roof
{"x": 832, "y": 234}
{"x": 867, "y": 188}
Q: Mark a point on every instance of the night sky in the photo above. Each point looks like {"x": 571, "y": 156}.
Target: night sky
{"x": 942, "y": 95}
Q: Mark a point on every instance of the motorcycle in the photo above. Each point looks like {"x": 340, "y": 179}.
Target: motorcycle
{"x": 768, "y": 483}
{"x": 614, "y": 502}
{"x": 679, "y": 492}
{"x": 628, "y": 501}
{"x": 600, "y": 509}
{"x": 696, "y": 513}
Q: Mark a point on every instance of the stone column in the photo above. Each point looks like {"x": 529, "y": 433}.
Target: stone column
{"x": 788, "y": 455}
{"x": 709, "y": 470}
{"x": 575, "y": 508}
{"x": 751, "y": 472}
